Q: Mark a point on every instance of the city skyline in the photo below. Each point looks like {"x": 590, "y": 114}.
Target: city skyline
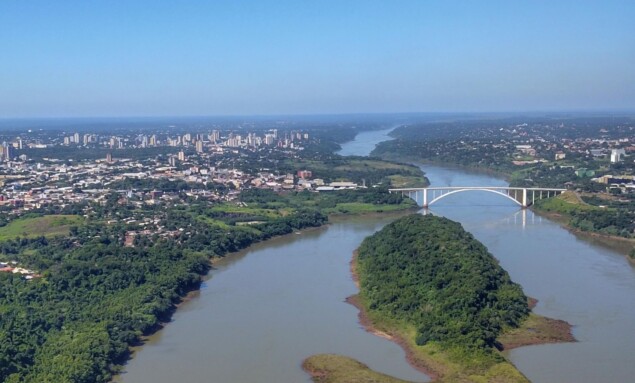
{"x": 284, "y": 58}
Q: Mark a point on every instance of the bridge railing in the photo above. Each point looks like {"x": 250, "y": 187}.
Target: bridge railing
{"x": 522, "y": 196}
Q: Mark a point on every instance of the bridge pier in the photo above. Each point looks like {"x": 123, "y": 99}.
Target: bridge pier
{"x": 508, "y": 192}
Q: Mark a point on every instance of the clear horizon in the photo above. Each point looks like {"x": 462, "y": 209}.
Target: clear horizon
{"x": 512, "y": 113}
{"x": 203, "y": 59}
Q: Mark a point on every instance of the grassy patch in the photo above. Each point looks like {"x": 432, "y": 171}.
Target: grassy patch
{"x": 445, "y": 364}
{"x": 361, "y": 165}
{"x": 361, "y": 208}
{"x": 565, "y": 203}
{"x": 327, "y": 368}
{"x": 212, "y": 221}
{"x": 49, "y": 225}
{"x": 536, "y": 329}
{"x": 246, "y": 210}
{"x": 399, "y": 181}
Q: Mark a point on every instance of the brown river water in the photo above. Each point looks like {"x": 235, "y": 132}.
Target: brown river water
{"x": 264, "y": 310}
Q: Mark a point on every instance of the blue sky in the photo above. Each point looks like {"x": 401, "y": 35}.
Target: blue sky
{"x": 157, "y": 58}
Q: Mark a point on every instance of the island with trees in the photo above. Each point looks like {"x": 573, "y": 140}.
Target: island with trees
{"x": 432, "y": 287}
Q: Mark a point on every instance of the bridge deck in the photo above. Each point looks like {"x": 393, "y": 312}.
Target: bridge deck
{"x": 520, "y": 195}
{"x": 477, "y": 188}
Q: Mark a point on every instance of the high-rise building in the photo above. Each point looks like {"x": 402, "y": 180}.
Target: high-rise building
{"x": 9, "y": 152}
{"x": 199, "y": 146}
{"x": 181, "y": 156}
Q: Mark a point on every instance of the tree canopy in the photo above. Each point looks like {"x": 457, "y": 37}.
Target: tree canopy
{"x": 432, "y": 274}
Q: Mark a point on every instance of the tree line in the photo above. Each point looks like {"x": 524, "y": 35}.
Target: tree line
{"x": 430, "y": 273}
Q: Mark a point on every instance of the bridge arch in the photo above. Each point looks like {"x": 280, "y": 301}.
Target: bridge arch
{"x": 443, "y": 195}
{"x": 520, "y": 195}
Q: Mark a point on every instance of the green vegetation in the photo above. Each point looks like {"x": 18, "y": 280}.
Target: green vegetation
{"x": 586, "y": 217}
{"x": 565, "y": 203}
{"x": 493, "y": 146}
{"x": 440, "y": 288}
{"x": 336, "y": 202}
{"x": 359, "y": 169}
{"x": 102, "y": 288}
{"x": 325, "y": 368}
{"x": 31, "y": 227}
{"x": 96, "y": 297}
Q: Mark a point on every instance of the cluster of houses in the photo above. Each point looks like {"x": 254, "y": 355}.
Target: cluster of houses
{"x": 14, "y": 268}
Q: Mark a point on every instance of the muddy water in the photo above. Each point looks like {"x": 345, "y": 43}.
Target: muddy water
{"x": 263, "y": 311}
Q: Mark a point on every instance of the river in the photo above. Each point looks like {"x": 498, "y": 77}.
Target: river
{"x": 264, "y": 310}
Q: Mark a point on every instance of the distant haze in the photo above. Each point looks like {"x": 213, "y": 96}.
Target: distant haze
{"x": 166, "y": 58}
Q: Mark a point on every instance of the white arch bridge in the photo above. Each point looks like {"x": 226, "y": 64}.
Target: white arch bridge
{"x": 522, "y": 196}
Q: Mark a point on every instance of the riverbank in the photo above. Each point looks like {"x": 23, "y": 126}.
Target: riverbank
{"x": 621, "y": 244}
{"x": 221, "y": 262}
{"x": 327, "y": 368}
{"x": 470, "y": 169}
{"x": 563, "y": 220}
{"x": 561, "y": 209}
{"x": 437, "y": 363}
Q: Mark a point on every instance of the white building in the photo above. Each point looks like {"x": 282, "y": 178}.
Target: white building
{"x": 616, "y": 155}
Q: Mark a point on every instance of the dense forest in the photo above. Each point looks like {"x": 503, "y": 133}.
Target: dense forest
{"x": 429, "y": 273}
{"x": 96, "y": 297}
{"x": 100, "y": 288}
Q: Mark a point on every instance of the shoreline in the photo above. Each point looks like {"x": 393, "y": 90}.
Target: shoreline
{"x": 366, "y": 322}
{"x": 609, "y": 240}
{"x": 472, "y": 169}
{"x": 411, "y": 358}
{"x": 563, "y": 220}
{"x": 193, "y": 294}
{"x": 217, "y": 262}
{"x": 543, "y": 330}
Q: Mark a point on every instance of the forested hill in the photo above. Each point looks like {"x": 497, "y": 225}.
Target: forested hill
{"x": 429, "y": 273}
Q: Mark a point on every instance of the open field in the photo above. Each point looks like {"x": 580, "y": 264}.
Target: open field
{"x": 565, "y": 203}
{"x": 49, "y": 225}
{"x": 360, "y": 208}
{"x": 399, "y": 181}
{"x": 232, "y": 208}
